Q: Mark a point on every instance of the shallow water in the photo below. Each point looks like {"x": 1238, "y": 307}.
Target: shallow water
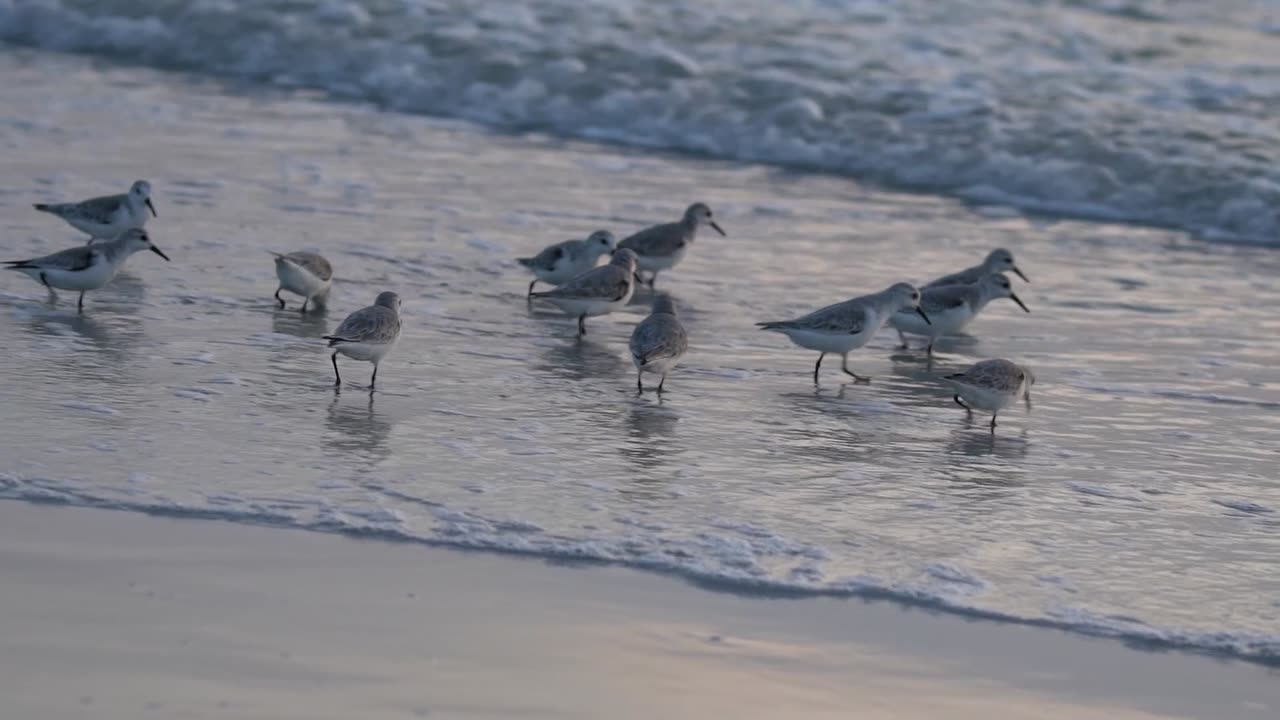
{"x": 1138, "y": 498}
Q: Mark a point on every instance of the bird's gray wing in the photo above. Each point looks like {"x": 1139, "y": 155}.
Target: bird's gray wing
{"x": 849, "y": 317}
{"x": 658, "y": 336}
{"x": 550, "y": 255}
{"x": 657, "y": 241}
{"x": 76, "y": 258}
{"x": 374, "y": 324}
{"x": 608, "y": 282}
{"x": 1000, "y": 375}
{"x": 942, "y": 298}
{"x": 99, "y": 209}
{"x": 312, "y": 263}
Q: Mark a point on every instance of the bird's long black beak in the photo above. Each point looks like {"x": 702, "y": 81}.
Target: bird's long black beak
{"x": 713, "y": 224}
{"x": 920, "y": 312}
{"x": 639, "y": 280}
{"x": 1015, "y": 299}
{"x": 1019, "y": 274}
{"x": 153, "y": 211}
{"x": 156, "y": 250}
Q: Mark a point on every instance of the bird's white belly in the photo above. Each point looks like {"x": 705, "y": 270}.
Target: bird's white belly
{"x": 368, "y": 352}
{"x": 299, "y": 281}
{"x": 661, "y": 366}
{"x": 828, "y": 342}
{"x": 91, "y": 278}
{"x": 984, "y": 398}
{"x": 946, "y": 322}
{"x": 656, "y": 263}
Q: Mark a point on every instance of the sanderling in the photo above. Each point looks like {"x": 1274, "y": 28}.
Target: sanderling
{"x": 566, "y": 260}
{"x": 847, "y": 326}
{"x": 992, "y": 385}
{"x": 107, "y": 216}
{"x": 599, "y": 291}
{"x": 87, "y": 267}
{"x": 951, "y": 307}
{"x": 658, "y": 342}
{"x": 662, "y": 247}
{"x": 367, "y": 334}
{"x": 306, "y": 274}
{"x": 998, "y": 260}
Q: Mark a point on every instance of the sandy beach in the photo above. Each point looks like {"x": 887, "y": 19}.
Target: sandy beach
{"x": 117, "y": 615}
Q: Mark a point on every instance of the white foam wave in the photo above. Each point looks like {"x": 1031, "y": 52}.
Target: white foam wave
{"x": 1045, "y": 106}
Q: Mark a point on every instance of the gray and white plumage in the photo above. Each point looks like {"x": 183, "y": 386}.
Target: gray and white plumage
{"x": 998, "y": 260}
{"x": 367, "y": 334}
{"x": 849, "y": 325}
{"x": 662, "y": 247}
{"x": 598, "y": 291}
{"x": 992, "y": 385}
{"x": 86, "y": 267}
{"x": 566, "y": 260}
{"x": 304, "y": 273}
{"x": 106, "y": 216}
{"x": 659, "y": 342}
{"x": 952, "y": 307}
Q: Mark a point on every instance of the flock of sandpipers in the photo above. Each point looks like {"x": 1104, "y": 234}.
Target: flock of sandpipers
{"x": 583, "y": 289}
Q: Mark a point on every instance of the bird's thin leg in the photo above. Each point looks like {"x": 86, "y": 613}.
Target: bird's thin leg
{"x": 337, "y": 378}
{"x": 639, "y": 383}
{"x": 817, "y": 367}
{"x": 305, "y": 301}
{"x": 844, "y": 365}
{"x": 1027, "y": 399}
{"x": 529, "y": 295}
{"x": 652, "y": 279}
{"x": 53, "y": 295}
{"x": 374, "y": 380}
{"x": 961, "y": 404}
{"x": 582, "y": 325}
{"x": 279, "y": 299}
{"x": 905, "y": 345}
{"x": 993, "y": 422}
{"x": 660, "y": 383}
{"x": 80, "y": 302}
{"x": 929, "y": 350}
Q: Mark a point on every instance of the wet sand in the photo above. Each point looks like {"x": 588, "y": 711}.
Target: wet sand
{"x": 118, "y": 615}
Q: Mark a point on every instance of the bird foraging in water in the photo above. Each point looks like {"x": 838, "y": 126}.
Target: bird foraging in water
{"x": 992, "y": 385}
{"x": 107, "y": 216}
{"x": 303, "y": 273}
{"x": 997, "y": 261}
{"x": 658, "y": 343}
{"x": 599, "y": 291}
{"x": 367, "y": 334}
{"x": 87, "y": 267}
{"x": 847, "y": 326}
{"x": 952, "y": 307}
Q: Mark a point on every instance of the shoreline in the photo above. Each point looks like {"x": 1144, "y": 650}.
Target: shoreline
{"x": 243, "y": 621}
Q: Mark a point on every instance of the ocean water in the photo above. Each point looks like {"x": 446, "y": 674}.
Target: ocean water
{"x": 1138, "y": 499}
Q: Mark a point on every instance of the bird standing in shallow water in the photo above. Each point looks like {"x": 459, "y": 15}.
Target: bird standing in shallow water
{"x": 952, "y": 307}
{"x": 659, "y": 342}
{"x": 662, "y": 247}
{"x": 847, "y": 326}
{"x": 87, "y": 267}
{"x": 304, "y": 273}
{"x": 367, "y": 334}
{"x": 566, "y": 260}
{"x": 599, "y": 291}
{"x": 997, "y": 261}
{"x": 107, "y": 216}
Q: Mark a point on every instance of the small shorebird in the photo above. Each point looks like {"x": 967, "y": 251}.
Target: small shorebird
{"x": 952, "y": 307}
{"x": 367, "y": 334}
{"x": 998, "y": 260}
{"x": 992, "y": 385}
{"x": 107, "y": 216}
{"x": 658, "y": 342}
{"x": 306, "y": 274}
{"x": 87, "y": 267}
{"x": 847, "y": 326}
{"x": 566, "y": 260}
{"x": 598, "y": 291}
{"x": 662, "y": 247}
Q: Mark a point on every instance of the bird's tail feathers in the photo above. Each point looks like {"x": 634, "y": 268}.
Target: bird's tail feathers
{"x": 335, "y": 340}
{"x": 527, "y": 262}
